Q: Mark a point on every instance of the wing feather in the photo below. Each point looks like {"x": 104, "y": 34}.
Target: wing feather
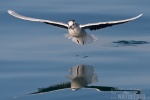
{"x": 53, "y": 88}
{"x": 107, "y": 88}
{"x": 102, "y": 88}
{"x": 58, "y": 24}
{"x": 100, "y": 25}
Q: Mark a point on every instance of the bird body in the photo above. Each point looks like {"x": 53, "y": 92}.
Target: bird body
{"x": 76, "y": 31}
{"x": 78, "y": 34}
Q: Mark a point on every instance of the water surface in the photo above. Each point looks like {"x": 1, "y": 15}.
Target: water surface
{"x": 36, "y": 55}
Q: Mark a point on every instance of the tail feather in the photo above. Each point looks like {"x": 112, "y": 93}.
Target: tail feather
{"x": 89, "y": 38}
{"x": 86, "y": 39}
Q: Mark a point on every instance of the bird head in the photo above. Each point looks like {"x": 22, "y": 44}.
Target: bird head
{"x": 71, "y": 24}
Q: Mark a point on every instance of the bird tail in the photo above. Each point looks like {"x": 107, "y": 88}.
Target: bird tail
{"x": 89, "y": 38}
{"x": 86, "y": 39}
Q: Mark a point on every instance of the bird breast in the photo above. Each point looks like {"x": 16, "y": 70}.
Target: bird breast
{"x": 76, "y": 32}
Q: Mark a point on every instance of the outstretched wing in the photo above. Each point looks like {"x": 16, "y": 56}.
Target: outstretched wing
{"x": 58, "y": 24}
{"x": 100, "y": 25}
{"x": 53, "y": 88}
{"x": 107, "y": 88}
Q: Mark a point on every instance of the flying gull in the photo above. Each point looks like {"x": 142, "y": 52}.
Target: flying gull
{"x": 76, "y": 31}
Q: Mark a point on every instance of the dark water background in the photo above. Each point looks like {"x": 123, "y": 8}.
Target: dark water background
{"x": 34, "y": 55}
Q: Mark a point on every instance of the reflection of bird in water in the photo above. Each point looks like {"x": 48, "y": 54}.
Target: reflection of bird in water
{"x": 76, "y": 31}
{"x": 81, "y": 76}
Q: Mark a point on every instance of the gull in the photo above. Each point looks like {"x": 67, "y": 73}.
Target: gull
{"x": 76, "y": 31}
{"x": 81, "y": 76}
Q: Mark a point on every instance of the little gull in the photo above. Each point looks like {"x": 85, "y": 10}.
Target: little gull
{"x": 77, "y": 31}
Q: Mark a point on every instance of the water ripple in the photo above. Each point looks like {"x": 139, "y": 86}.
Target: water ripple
{"x": 121, "y": 43}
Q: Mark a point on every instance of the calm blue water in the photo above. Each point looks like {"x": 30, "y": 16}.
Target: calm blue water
{"x": 34, "y": 55}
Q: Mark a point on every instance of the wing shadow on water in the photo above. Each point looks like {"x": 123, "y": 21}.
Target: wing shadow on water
{"x": 121, "y": 43}
{"x": 81, "y": 76}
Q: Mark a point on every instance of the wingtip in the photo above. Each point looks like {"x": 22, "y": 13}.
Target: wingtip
{"x": 140, "y": 15}
{"x": 137, "y": 16}
{"x": 10, "y": 11}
